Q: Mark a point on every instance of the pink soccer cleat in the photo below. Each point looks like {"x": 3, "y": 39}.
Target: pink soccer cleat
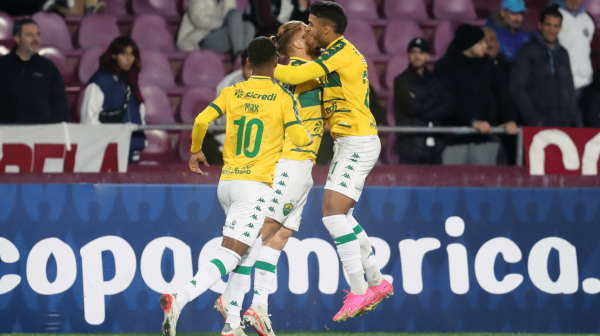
{"x": 381, "y": 291}
{"x": 221, "y": 308}
{"x": 355, "y": 305}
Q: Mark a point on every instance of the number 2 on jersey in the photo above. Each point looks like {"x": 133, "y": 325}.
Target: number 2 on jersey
{"x": 245, "y": 132}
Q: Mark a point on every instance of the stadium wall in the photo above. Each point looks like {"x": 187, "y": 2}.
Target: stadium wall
{"x": 94, "y": 258}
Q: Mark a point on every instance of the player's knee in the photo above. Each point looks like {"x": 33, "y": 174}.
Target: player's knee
{"x": 270, "y": 227}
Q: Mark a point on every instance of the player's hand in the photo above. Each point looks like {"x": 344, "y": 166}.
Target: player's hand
{"x": 195, "y": 159}
{"x": 511, "y": 128}
{"x": 482, "y": 126}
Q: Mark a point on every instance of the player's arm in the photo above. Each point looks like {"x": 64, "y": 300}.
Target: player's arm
{"x": 299, "y": 136}
{"x": 323, "y": 65}
{"x": 210, "y": 114}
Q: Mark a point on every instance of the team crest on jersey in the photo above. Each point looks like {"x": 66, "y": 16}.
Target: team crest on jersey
{"x": 239, "y": 93}
{"x": 287, "y": 208}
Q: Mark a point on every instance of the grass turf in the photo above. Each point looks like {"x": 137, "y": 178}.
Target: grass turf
{"x": 314, "y": 333}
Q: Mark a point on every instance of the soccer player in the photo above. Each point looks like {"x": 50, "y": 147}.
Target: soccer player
{"x": 259, "y": 112}
{"x": 291, "y": 186}
{"x": 356, "y": 150}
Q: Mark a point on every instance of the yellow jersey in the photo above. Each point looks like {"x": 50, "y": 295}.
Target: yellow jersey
{"x": 258, "y": 112}
{"x": 345, "y": 90}
{"x": 308, "y": 95}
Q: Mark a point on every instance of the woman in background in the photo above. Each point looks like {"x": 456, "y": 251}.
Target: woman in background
{"x": 113, "y": 94}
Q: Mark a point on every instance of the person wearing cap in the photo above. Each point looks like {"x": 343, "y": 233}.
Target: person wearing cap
{"x": 420, "y": 99}
{"x": 576, "y": 36}
{"x": 508, "y": 27}
{"x": 475, "y": 85}
{"x": 541, "y": 80}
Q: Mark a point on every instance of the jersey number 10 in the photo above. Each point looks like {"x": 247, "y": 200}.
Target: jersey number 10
{"x": 245, "y": 132}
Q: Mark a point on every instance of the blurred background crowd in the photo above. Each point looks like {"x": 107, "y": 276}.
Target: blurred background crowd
{"x": 477, "y": 63}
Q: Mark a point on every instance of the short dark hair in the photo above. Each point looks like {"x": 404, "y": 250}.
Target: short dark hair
{"x": 18, "y": 26}
{"x": 261, "y": 51}
{"x": 331, "y": 11}
{"x": 244, "y": 57}
{"x": 551, "y": 11}
{"x": 116, "y": 47}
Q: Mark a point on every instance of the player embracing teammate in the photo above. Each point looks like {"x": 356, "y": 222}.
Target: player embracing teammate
{"x": 356, "y": 150}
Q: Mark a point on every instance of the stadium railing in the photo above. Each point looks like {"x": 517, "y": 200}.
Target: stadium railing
{"x": 381, "y": 129}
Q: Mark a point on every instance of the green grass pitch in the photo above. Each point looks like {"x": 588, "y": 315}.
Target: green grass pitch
{"x": 315, "y": 333}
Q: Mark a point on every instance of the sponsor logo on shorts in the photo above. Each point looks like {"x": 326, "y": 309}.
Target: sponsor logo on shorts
{"x": 281, "y": 183}
{"x": 349, "y": 167}
{"x": 278, "y": 192}
{"x": 287, "y": 208}
{"x": 358, "y": 187}
{"x": 343, "y": 184}
{"x": 355, "y": 156}
{"x": 250, "y": 225}
{"x": 272, "y": 209}
{"x": 261, "y": 200}
{"x": 354, "y": 160}
{"x": 346, "y": 175}
{"x": 246, "y": 234}
{"x": 285, "y": 174}
{"x": 275, "y": 200}
{"x": 254, "y": 216}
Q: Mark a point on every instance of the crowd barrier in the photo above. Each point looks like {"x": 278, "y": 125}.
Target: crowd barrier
{"x": 95, "y": 257}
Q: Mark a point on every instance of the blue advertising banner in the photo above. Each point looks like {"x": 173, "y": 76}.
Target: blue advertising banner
{"x": 95, "y": 258}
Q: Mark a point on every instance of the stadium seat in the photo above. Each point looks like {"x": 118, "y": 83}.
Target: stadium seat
{"x": 156, "y": 70}
{"x": 593, "y": 8}
{"x": 166, "y": 8}
{"x": 364, "y": 9}
{"x": 89, "y": 63}
{"x": 459, "y": 10}
{"x": 97, "y": 31}
{"x": 485, "y": 8}
{"x": 54, "y": 31}
{"x": 158, "y": 107}
{"x": 59, "y": 59}
{"x": 116, "y": 7}
{"x": 406, "y": 9}
{"x": 241, "y": 4}
{"x": 531, "y": 18}
{"x": 361, "y": 35}
{"x": 158, "y": 148}
{"x": 6, "y": 25}
{"x": 442, "y": 37}
{"x": 202, "y": 68}
{"x": 396, "y": 66}
{"x": 398, "y": 34}
{"x": 194, "y": 101}
{"x": 150, "y": 31}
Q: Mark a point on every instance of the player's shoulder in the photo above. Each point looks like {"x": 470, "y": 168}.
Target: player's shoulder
{"x": 287, "y": 94}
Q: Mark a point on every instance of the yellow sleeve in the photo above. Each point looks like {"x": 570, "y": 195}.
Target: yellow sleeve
{"x": 213, "y": 111}
{"x": 328, "y": 62}
{"x": 292, "y": 123}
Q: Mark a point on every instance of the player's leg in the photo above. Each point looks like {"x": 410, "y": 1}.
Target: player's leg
{"x": 283, "y": 218}
{"x": 238, "y": 199}
{"x": 353, "y": 159}
{"x": 377, "y": 284}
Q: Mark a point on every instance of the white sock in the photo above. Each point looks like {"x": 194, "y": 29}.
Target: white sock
{"x": 369, "y": 262}
{"x": 225, "y": 261}
{"x": 348, "y": 249}
{"x": 264, "y": 275}
{"x": 182, "y": 298}
{"x": 239, "y": 280}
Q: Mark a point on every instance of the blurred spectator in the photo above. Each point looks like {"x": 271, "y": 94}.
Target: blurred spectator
{"x": 541, "y": 80}
{"x": 508, "y": 27}
{"x": 78, "y": 7}
{"x": 590, "y": 103}
{"x": 113, "y": 95}
{"x": 22, "y": 7}
{"x": 420, "y": 99}
{"x": 32, "y": 90}
{"x": 215, "y": 25}
{"x": 504, "y": 67}
{"x": 268, "y": 15}
{"x": 576, "y": 37}
{"x": 474, "y": 85}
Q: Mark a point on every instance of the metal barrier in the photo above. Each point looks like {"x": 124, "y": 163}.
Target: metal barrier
{"x": 380, "y": 129}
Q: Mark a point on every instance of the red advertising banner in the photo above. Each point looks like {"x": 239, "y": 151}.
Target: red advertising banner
{"x": 562, "y": 151}
{"x": 58, "y": 148}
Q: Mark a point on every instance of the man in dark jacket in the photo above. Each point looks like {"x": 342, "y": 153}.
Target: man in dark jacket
{"x": 474, "y": 84}
{"x": 420, "y": 99}
{"x": 541, "y": 80}
{"x": 32, "y": 90}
